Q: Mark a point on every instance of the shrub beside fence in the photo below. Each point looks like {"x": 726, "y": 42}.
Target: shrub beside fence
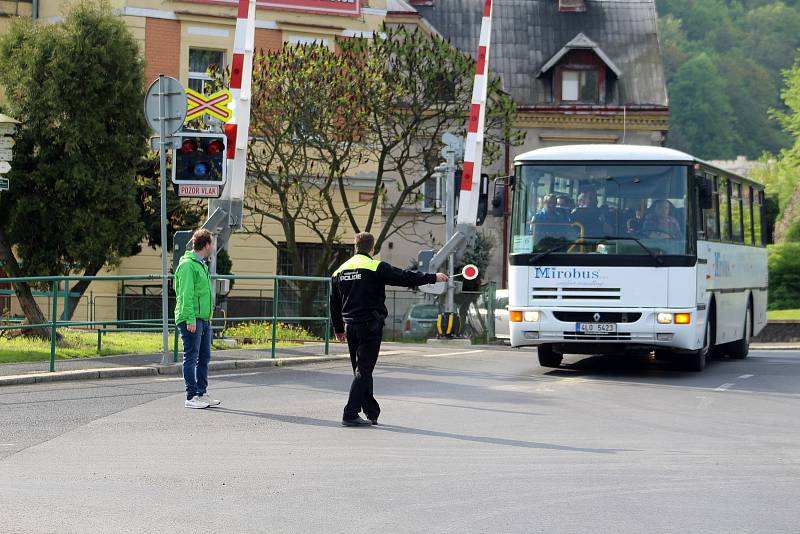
{"x": 784, "y": 276}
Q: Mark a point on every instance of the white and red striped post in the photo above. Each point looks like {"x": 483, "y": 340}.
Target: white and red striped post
{"x": 236, "y": 130}
{"x": 473, "y": 147}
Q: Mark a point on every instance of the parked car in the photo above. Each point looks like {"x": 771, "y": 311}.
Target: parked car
{"x": 419, "y": 322}
{"x": 501, "y": 328}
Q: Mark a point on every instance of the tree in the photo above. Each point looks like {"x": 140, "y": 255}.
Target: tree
{"x": 751, "y": 92}
{"x": 671, "y": 38}
{"x": 785, "y": 177}
{"x": 182, "y": 214}
{"x": 75, "y": 87}
{"x": 700, "y": 110}
{"x": 308, "y": 122}
{"x": 750, "y": 42}
{"x": 429, "y": 88}
{"x": 772, "y": 38}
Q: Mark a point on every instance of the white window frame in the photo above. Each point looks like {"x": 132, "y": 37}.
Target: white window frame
{"x": 432, "y": 204}
{"x": 202, "y": 76}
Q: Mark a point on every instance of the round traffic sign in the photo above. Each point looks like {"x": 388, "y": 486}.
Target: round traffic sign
{"x": 469, "y": 272}
{"x": 173, "y": 114}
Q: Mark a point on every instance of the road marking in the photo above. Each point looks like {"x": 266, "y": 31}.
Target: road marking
{"x": 395, "y": 352}
{"x": 6, "y": 444}
{"x": 745, "y": 376}
{"x": 724, "y": 386}
{"x": 436, "y": 355}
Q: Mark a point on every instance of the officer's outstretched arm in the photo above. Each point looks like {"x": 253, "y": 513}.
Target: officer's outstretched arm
{"x": 398, "y": 277}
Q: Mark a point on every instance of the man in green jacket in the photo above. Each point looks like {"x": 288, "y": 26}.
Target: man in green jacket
{"x": 193, "y": 309}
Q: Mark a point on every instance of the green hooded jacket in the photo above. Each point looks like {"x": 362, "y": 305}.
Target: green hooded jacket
{"x": 192, "y": 290}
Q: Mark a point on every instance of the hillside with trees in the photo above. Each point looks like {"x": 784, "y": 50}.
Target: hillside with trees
{"x": 724, "y": 62}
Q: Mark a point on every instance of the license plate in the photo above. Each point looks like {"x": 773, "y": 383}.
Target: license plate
{"x": 596, "y": 328}
{"x": 426, "y": 323}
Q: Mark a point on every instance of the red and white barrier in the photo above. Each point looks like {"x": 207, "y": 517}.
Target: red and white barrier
{"x": 236, "y": 130}
{"x": 473, "y": 147}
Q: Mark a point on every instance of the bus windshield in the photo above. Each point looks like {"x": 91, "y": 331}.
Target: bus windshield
{"x": 600, "y": 209}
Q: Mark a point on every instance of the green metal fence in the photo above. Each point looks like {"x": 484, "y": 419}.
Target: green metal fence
{"x": 59, "y": 289}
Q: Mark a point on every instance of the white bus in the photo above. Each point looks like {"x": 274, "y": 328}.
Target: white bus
{"x": 620, "y": 248}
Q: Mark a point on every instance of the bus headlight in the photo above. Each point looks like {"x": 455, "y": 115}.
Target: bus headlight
{"x": 531, "y": 316}
{"x": 677, "y": 318}
{"x": 518, "y": 316}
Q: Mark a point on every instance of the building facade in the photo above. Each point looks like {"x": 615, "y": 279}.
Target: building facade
{"x": 181, "y": 39}
{"x": 579, "y": 71}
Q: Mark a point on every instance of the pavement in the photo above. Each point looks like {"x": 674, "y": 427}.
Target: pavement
{"x": 476, "y": 439}
{"x": 150, "y": 364}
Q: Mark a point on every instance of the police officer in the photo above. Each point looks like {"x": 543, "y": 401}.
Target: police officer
{"x": 358, "y": 312}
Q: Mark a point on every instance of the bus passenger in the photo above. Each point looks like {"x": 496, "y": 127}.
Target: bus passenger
{"x": 659, "y": 224}
{"x": 549, "y": 212}
{"x": 590, "y": 216}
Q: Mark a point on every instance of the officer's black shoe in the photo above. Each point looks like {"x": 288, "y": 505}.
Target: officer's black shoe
{"x": 358, "y": 421}
{"x": 373, "y": 421}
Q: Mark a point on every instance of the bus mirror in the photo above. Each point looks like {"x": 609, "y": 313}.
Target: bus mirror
{"x": 498, "y": 197}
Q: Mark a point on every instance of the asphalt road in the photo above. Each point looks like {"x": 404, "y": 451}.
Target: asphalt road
{"x": 471, "y": 440}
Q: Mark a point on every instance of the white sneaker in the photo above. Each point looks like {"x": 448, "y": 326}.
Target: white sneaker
{"x": 211, "y": 401}
{"x": 196, "y": 402}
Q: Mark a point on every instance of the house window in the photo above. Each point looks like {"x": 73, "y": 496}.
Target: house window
{"x": 199, "y": 62}
{"x": 431, "y": 194}
{"x": 579, "y": 86}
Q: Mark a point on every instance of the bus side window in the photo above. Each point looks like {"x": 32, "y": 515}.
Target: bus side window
{"x": 758, "y": 232}
{"x": 710, "y": 219}
{"x": 724, "y": 209}
{"x": 747, "y": 214}
{"x": 736, "y": 212}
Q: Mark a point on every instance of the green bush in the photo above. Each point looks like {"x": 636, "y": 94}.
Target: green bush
{"x": 263, "y": 331}
{"x": 784, "y": 276}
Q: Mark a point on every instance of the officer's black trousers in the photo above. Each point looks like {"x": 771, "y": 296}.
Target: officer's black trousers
{"x": 364, "y": 342}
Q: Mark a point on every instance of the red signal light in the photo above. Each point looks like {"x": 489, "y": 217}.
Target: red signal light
{"x": 215, "y": 148}
{"x": 188, "y": 146}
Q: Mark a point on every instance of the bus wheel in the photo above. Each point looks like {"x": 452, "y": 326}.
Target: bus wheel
{"x": 739, "y": 349}
{"x": 696, "y": 362}
{"x": 548, "y": 357}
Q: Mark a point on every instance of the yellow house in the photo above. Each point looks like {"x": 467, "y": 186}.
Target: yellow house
{"x": 180, "y": 39}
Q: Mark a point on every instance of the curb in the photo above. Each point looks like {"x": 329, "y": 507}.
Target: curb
{"x": 774, "y": 346}
{"x": 155, "y": 370}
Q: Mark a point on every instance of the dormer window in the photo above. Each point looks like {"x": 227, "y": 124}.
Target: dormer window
{"x": 579, "y": 85}
{"x": 580, "y": 73}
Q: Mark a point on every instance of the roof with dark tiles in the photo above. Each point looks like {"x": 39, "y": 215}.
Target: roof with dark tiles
{"x": 526, "y": 34}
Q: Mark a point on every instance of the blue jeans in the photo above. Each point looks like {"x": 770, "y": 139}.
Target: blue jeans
{"x": 196, "y": 355}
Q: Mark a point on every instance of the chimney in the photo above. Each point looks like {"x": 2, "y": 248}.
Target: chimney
{"x": 571, "y": 6}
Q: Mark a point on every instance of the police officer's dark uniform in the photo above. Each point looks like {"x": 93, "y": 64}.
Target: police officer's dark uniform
{"x": 358, "y": 310}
